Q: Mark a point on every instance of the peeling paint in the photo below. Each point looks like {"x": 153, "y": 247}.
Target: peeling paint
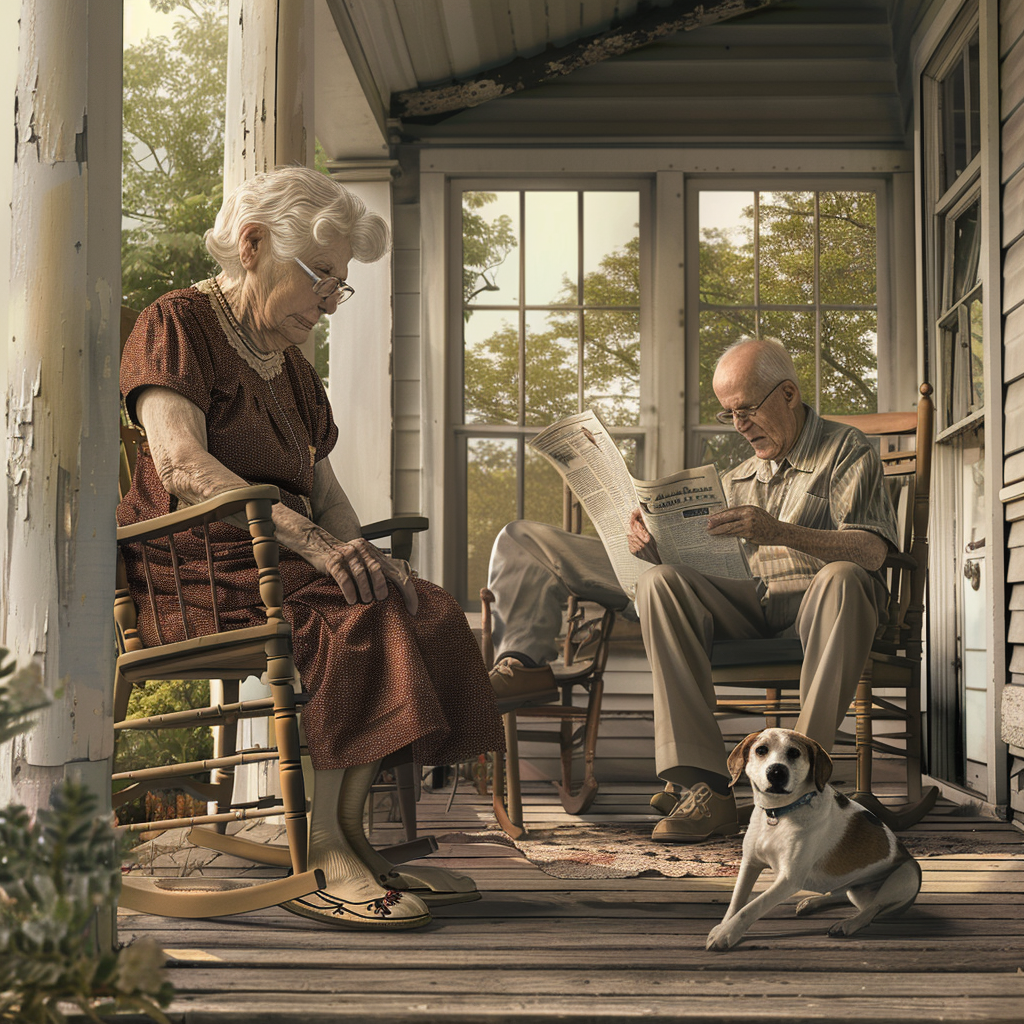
{"x": 522, "y": 73}
{"x": 81, "y": 143}
{"x": 21, "y": 437}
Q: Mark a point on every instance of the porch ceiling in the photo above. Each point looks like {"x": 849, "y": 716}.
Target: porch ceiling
{"x": 797, "y": 70}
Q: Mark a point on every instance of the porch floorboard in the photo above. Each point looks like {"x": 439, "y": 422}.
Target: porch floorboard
{"x": 538, "y": 948}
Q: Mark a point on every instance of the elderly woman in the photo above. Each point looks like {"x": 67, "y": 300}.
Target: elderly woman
{"x": 212, "y": 375}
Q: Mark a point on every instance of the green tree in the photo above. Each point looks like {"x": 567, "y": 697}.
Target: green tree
{"x": 611, "y": 377}
{"x": 142, "y": 748}
{"x": 847, "y": 258}
{"x": 172, "y": 176}
{"x": 173, "y": 150}
{"x": 486, "y": 244}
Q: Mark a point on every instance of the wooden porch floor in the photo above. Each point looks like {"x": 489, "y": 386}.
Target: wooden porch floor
{"x": 537, "y": 948}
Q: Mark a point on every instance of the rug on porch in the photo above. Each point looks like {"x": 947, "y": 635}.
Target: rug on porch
{"x": 627, "y": 851}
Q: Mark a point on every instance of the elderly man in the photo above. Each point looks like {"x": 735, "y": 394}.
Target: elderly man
{"x": 818, "y": 523}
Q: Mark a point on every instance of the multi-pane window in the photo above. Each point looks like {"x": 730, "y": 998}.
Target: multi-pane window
{"x": 957, "y": 206}
{"x": 800, "y": 266}
{"x": 550, "y": 318}
{"x": 960, "y": 741}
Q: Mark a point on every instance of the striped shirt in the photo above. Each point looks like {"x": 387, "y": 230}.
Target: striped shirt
{"x": 831, "y": 479}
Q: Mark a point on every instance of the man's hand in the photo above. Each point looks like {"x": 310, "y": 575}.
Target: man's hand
{"x": 641, "y": 543}
{"x": 746, "y": 521}
{"x": 362, "y": 572}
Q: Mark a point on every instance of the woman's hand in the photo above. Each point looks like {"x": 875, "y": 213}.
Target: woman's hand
{"x": 362, "y": 572}
{"x": 641, "y": 543}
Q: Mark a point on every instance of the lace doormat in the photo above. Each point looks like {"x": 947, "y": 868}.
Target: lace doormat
{"x": 626, "y": 851}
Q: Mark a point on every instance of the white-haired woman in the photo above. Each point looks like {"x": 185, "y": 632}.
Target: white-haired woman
{"x": 212, "y": 376}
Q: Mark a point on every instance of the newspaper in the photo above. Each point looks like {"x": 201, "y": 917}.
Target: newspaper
{"x": 675, "y": 508}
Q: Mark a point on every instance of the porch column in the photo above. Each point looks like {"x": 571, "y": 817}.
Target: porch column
{"x": 60, "y": 173}
{"x": 268, "y": 124}
{"x": 269, "y": 98}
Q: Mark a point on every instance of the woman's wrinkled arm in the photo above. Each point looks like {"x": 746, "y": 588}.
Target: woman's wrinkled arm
{"x": 333, "y": 512}
{"x": 331, "y": 508}
{"x": 176, "y": 433}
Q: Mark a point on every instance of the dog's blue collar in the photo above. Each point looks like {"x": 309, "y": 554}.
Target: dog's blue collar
{"x": 774, "y": 813}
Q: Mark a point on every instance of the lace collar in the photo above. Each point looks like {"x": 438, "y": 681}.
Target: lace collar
{"x": 267, "y": 364}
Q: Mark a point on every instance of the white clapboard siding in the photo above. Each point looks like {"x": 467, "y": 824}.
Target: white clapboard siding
{"x": 407, "y": 368}
{"x": 1011, "y": 28}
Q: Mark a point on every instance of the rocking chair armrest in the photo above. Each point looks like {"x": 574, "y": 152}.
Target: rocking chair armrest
{"x": 386, "y": 527}
{"x": 210, "y": 511}
{"x": 899, "y": 560}
{"x": 400, "y": 529}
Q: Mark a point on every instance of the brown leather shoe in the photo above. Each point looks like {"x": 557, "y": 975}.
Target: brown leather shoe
{"x": 515, "y": 685}
{"x": 665, "y": 801}
{"x": 699, "y": 815}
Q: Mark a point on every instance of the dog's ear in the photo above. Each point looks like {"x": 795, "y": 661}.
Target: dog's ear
{"x": 738, "y": 758}
{"x": 821, "y": 764}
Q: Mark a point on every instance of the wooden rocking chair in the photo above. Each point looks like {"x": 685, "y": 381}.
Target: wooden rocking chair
{"x": 229, "y": 655}
{"x": 584, "y": 657}
{"x": 895, "y": 662}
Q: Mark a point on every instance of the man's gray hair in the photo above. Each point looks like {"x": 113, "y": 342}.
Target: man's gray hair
{"x": 772, "y": 363}
{"x": 303, "y": 212}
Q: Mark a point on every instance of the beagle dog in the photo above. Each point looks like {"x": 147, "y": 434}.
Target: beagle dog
{"x": 812, "y": 837}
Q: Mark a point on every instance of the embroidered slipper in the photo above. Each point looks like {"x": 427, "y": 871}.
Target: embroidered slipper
{"x": 390, "y": 911}
{"x": 436, "y": 887}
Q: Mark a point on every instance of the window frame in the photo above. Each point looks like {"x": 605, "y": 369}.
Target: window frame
{"x": 458, "y": 432}
{"x": 880, "y": 184}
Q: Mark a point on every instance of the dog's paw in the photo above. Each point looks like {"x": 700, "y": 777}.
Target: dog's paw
{"x": 844, "y": 929}
{"x": 720, "y": 938}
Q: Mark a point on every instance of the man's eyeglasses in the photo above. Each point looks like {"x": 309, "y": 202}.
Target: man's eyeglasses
{"x": 328, "y": 287}
{"x": 742, "y": 415}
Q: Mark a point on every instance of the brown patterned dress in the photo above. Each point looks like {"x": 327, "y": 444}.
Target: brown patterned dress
{"x": 379, "y": 679}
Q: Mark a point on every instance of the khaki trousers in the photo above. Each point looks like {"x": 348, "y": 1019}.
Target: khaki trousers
{"x": 535, "y": 567}
{"x": 682, "y": 612}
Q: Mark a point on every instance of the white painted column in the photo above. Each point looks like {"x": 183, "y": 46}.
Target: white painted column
{"x": 360, "y": 373}
{"x": 62, "y": 209}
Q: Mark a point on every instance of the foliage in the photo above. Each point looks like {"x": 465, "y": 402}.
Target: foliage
{"x": 172, "y": 151}
{"x": 846, "y": 277}
{"x": 56, "y": 874}
{"x": 172, "y": 176}
{"x": 20, "y": 695}
{"x": 142, "y": 748}
{"x": 486, "y": 244}
{"x": 139, "y": 748}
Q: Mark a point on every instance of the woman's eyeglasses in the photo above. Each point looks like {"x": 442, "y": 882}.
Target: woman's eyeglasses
{"x": 328, "y": 287}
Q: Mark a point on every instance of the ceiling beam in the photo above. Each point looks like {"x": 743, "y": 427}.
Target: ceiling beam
{"x": 437, "y": 102}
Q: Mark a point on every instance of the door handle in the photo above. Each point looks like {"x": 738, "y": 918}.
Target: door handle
{"x": 972, "y": 572}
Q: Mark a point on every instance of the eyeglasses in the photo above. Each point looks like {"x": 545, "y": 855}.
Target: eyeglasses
{"x": 328, "y": 287}
{"x": 746, "y": 413}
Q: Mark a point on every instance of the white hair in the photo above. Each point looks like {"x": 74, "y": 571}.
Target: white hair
{"x": 772, "y": 363}
{"x": 303, "y": 212}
